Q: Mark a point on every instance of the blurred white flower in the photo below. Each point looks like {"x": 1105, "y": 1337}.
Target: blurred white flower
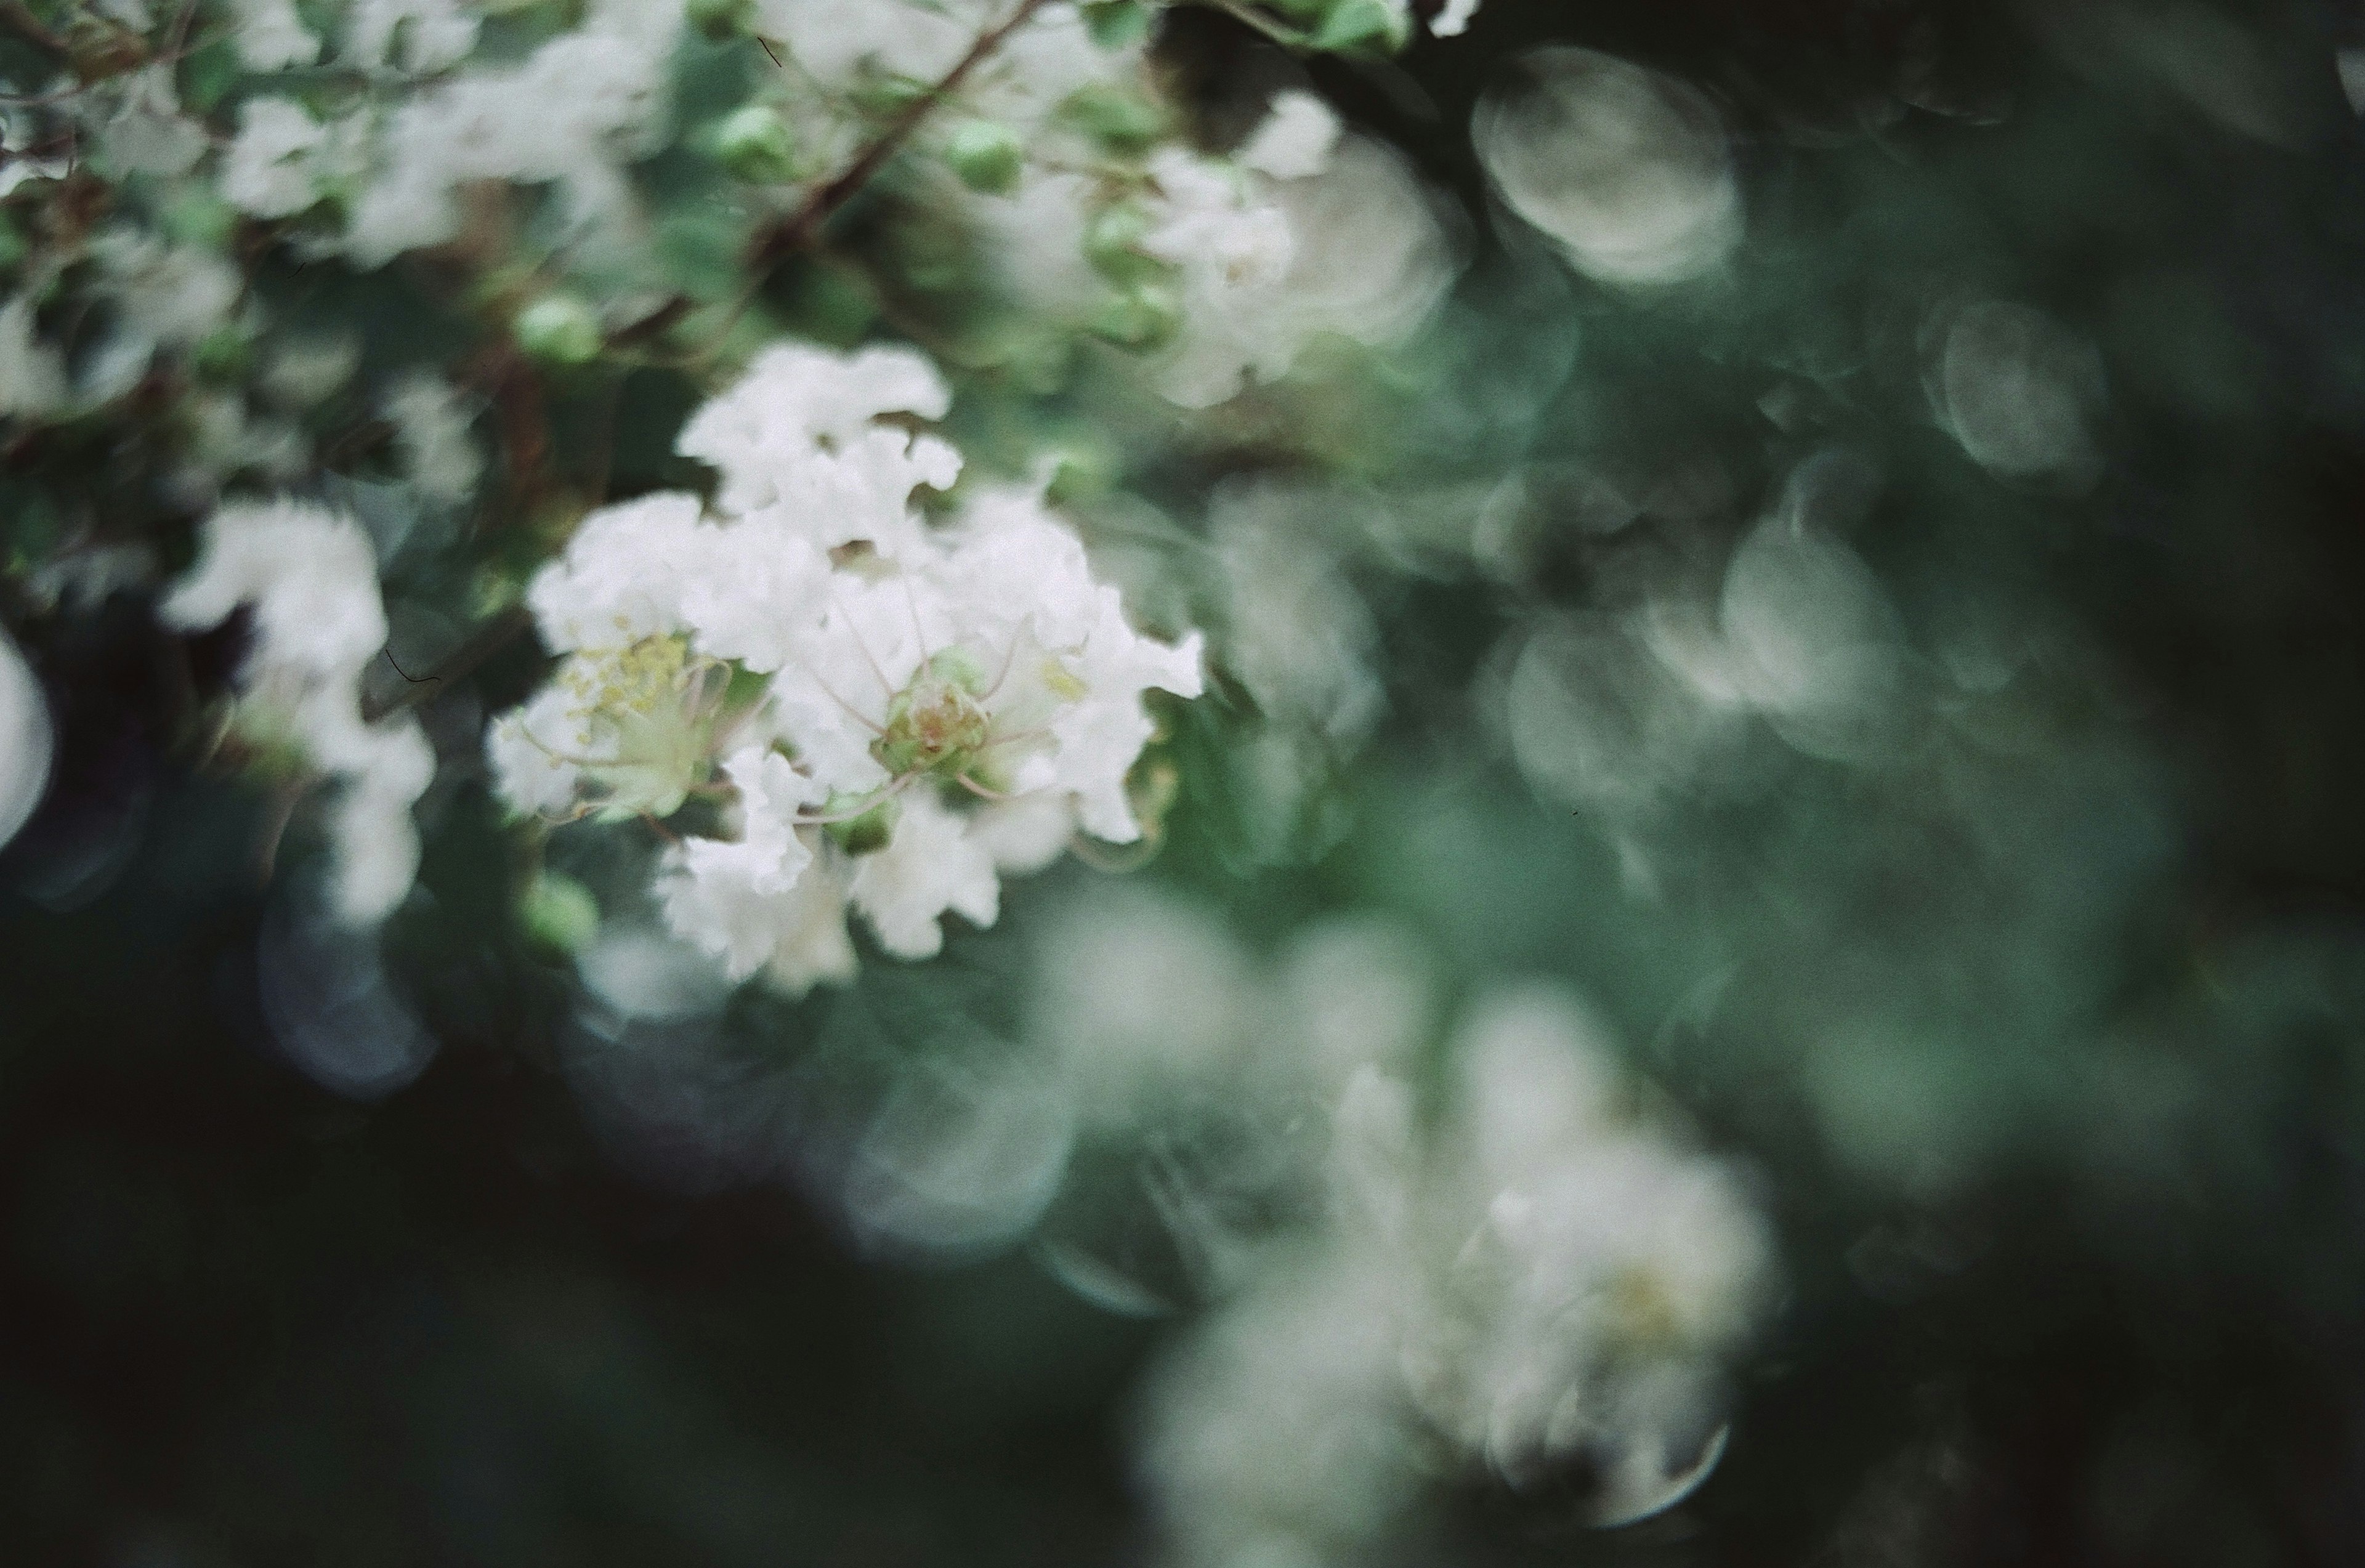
{"x": 1627, "y": 170}
{"x": 1534, "y": 1275}
{"x": 569, "y": 114}
{"x": 309, "y": 580}
{"x": 167, "y": 294}
{"x": 25, "y": 739}
{"x": 32, "y": 373}
{"x": 2017, "y": 389}
{"x": 432, "y": 437}
{"x": 270, "y": 35}
{"x": 414, "y": 35}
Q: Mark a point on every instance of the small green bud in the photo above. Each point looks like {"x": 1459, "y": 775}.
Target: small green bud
{"x": 559, "y": 329}
{"x": 718, "y": 20}
{"x": 223, "y": 354}
{"x": 1116, "y": 24}
{"x": 559, "y": 913}
{"x": 754, "y": 144}
{"x": 1143, "y": 319}
{"x": 12, "y": 242}
{"x": 1362, "y": 24}
{"x": 868, "y": 832}
{"x": 1123, "y": 121}
{"x": 196, "y": 216}
{"x": 986, "y": 155}
{"x": 1113, "y": 243}
{"x": 1079, "y": 473}
{"x": 887, "y": 96}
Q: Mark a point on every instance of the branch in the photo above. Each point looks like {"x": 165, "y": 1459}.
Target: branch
{"x": 21, "y": 21}
{"x": 801, "y": 228}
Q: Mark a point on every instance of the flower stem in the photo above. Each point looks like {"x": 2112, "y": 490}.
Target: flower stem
{"x": 802, "y": 228}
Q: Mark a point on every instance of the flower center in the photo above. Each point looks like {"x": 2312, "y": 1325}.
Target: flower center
{"x": 935, "y": 725}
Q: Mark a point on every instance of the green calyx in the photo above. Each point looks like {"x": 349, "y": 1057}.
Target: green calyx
{"x": 864, "y": 833}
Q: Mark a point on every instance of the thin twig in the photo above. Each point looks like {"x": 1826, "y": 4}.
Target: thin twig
{"x": 21, "y": 21}
{"x": 801, "y": 228}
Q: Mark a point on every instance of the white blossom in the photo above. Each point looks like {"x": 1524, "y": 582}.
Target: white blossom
{"x": 567, "y": 113}
{"x": 272, "y": 37}
{"x": 432, "y": 34}
{"x": 32, "y": 373}
{"x": 1295, "y": 139}
{"x": 25, "y": 739}
{"x": 439, "y": 457}
{"x": 952, "y": 701}
{"x": 309, "y": 580}
{"x": 168, "y": 294}
{"x": 1454, "y": 18}
{"x": 140, "y": 129}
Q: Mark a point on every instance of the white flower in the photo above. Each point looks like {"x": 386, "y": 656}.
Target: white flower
{"x": 271, "y": 37}
{"x": 1454, "y": 19}
{"x": 283, "y": 159}
{"x": 32, "y": 373}
{"x": 1216, "y": 226}
{"x": 304, "y": 372}
{"x": 833, "y": 38}
{"x": 929, "y": 867}
{"x": 1366, "y": 259}
{"x": 22, "y": 156}
{"x": 430, "y": 436}
{"x": 1297, "y": 635}
{"x": 143, "y": 130}
{"x": 799, "y": 432}
{"x": 168, "y": 294}
{"x": 306, "y": 575}
{"x": 309, "y": 581}
{"x": 25, "y": 739}
{"x": 432, "y": 34}
{"x": 1295, "y": 139}
{"x": 624, "y": 576}
{"x": 570, "y": 113}
{"x": 727, "y": 896}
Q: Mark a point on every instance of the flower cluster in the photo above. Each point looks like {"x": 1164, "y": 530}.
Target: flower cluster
{"x": 888, "y": 711}
{"x": 1532, "y": 1275}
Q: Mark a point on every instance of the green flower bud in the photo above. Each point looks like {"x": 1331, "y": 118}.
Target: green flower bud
{"x": 754, "y": 144}
{"x": 868, "y": 832}
{"x": 1123, "y": 121}
{"x": 1116, "y": 24}
{"x": 559, "y": 913}
{"x": 986, "y": 155}
{"x": 559, "y": 329}
{"x": 887, "y": 96}
{"x": 1113, "y": 243}
{"x": 12, "y": 242}
{"x": 718, "y": 20}
{"x": 1143, "y": 319}
{"x": 197, "y": 216}
{"x": 1362, "y": 24}
{"x": 223, "y": 354}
